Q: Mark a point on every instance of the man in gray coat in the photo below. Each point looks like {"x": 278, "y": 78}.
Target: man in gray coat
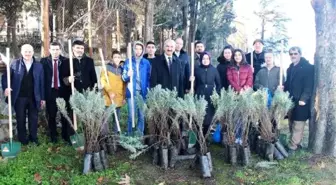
{"x": 268, "y": 76}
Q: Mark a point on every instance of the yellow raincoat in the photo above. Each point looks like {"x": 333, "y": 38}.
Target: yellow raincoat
{"x": 115, "y": 86}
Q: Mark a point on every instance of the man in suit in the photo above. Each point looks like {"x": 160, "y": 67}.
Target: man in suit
{"x": 168, "y": 70}
{"x": 199, "y": 49}
{"x": 52, "y": 83}
{"x": 27, "y": 92}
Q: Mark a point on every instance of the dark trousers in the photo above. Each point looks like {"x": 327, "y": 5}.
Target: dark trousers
{"x": 22, "y": 105}
{"x": 52, "y": 113}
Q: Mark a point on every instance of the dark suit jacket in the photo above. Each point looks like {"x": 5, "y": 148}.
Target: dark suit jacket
{"x": 47, "y": 63}
{"x": 160, "y": 74}
{"x": 84, "y": 72}
{"x": 17, "y": 70}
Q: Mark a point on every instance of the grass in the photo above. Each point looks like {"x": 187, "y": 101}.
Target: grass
{"x": 61, "y": 164}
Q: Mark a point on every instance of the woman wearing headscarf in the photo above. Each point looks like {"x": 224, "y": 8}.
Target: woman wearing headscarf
{"x": 206, "y": 80}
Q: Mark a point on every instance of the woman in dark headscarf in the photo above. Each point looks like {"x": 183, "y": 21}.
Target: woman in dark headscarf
{"x": 206, "y": 80}
{"x": 224, "y": 60}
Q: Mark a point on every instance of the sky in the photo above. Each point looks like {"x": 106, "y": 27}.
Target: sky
{"x": 301, "y": 28}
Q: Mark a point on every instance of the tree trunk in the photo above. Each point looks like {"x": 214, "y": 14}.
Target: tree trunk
{"x": 149, "y": 20}
{"x": 324, "y": 139}
{"x": 185, "y": 26}
{"x": 263, "y": 29}
{"x": 193, "y": 16}
{"x": 45, "y": 28}
{"x": 14, "y": 46}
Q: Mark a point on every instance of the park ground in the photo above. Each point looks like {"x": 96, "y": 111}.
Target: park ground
{"x": 61, "y": 165}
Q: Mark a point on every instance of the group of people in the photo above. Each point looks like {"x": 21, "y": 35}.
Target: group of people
{"x": 37, "y": 84}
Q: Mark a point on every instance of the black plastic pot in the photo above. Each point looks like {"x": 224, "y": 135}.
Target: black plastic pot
{"x": 244, "y": 155}
{"x": 269, "y": 151}
{"x": 226, "y": 153}
{"x": 87, "y": 164}
{"x": 97, "y": 164}
{"x": 205, "y": 167}
{"x": 260, "y": 150}
{"x": 253, "y": 138}
{"x": 277, "y": 155}
{"x": 210, "y": 161}
{"x": 164, "y": 157}
{"x": 155, "y": 155}
{"x": 103, "y": 159}
{"x": 173, "y": 152}
{"x": 233, "y": 155}
{"x": 281, "y": 149}
{"x": 109, "y": 146}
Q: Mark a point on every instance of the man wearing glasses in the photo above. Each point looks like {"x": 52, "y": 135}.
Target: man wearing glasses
{"x": 299, "y": 84}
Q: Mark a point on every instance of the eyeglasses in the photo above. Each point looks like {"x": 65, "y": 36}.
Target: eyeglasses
{"x": 291, "y": 54}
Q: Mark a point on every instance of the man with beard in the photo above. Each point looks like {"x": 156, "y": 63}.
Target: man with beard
{"x": 167, "y": 70}
{"x": 199, "y": 49}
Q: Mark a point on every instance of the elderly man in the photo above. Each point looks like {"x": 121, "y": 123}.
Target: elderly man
{"x": 53, "y": 89}
{"x": 168, "y": 70}
{"x": 258, "y": 56}
{"x": 27, "y": 92}
{"x": 184, "y": 58}
{"x": 299, "y": 84}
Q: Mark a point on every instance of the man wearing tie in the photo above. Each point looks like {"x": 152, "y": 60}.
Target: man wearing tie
{"x": 168, "y": 70}
{"x": 53, "y": 89}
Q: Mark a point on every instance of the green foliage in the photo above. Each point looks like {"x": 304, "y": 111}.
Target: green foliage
{"x": 133, "y": 144}
{"x": 226, "y": 104}
{"x": 158, "y": 111}
{"x": 281, "y": 104}
{"x": 90, "y": 110}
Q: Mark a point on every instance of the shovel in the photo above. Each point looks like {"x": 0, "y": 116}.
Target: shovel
{"x": 191, "y": 134}
{"x": 129, "y": 56}
{"x": 108, "y": 82}
{"x": 10, "y": 149}
{"x": 77, "y": 140}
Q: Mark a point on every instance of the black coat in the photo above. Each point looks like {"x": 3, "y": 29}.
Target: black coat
{"x": 258, "y": 61}
{"x": 206, "y": 80}
{"x": 299, "y": 83}
{"x": 48, "y": 63}
{"x": 160, "y": 74}
{"x": 222, "y": 70}
{"x": 84, "y": 72}
{"x": 184, "y": 58}
{"x": 150, "y": 59}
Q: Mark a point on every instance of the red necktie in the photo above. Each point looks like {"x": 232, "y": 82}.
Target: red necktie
{"x": 55, "y": 75}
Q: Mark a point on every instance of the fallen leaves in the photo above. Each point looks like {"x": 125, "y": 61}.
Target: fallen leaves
{"x": 100, "y": 179}
{"x": 125, "y": 181}
{"x": 37, "y": 178}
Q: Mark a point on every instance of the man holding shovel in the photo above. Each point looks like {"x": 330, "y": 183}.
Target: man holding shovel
{"x": 27, "y": 92}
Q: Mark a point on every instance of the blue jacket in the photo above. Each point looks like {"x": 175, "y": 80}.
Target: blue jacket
{"x": 144, "y": 70}
{"x": 17, "y": 69}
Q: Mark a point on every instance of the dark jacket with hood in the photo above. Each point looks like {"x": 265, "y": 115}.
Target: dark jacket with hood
{"x": 184, "y": 58}
{"x": 84, "y": 72}
{"x": 206, "y": 81}
{"x": 143, "y": 74}
{"x": 299, "y": 83}
{"x": 150, "y": 59}
{"x": 258, "y": 61}
{"x": 168, "y": 78}
{"x": 222, "y": 70}
{"x": 267, "y": 79}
